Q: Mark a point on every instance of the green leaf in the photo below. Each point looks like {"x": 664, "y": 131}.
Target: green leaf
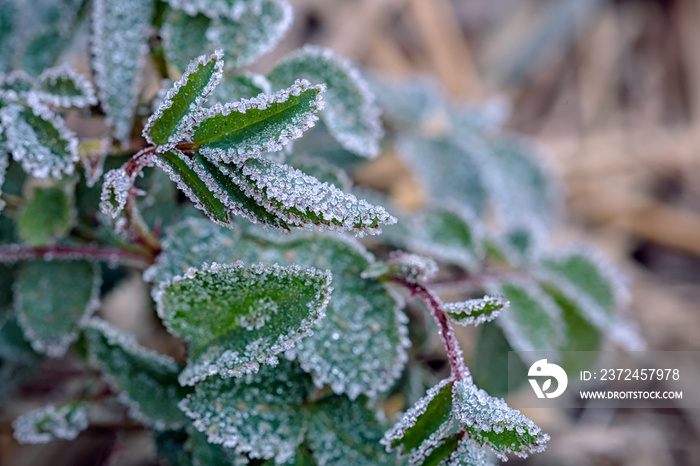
{"x": 302, "y": 201}
{"x": 521, "y": 188}
{"x": 450, "y": 234}
{"x": 360, "y": 347}
{"x": 533, "y": 321}
{"x": 491, "y": 362}
{"x": 585, "y": 278}
{"x": 16, "y": 86}
{"x": 235, "y": 317}
{"x": 424, "y": 423}
{"x": 344, "y": 432}
{"x": 187, "y": 95}
{"x": 146, "y": 380}
{"x": 240, "y": 86}
{"x": 63, "y": 87}
{"x": 457, "y": 451}
{"x": 51, "y": 299}
{"x": 492, "y": 423}
{"x": 450, "y": 170}
{"x": 18, "y": 361}
{"x": 51, "y": 423}
{"x": 39, "y": 139}
{"x": 48, "y": 216}
{"x": 322, "y": 170}
{"x": 351, "y": 115}
{"x": 259, "y": 414}
{"x": 184, "y": 36}
{"x": 476, "y": 311}
{"x": 119, "y": 42}
{"x": 209, "y": 454}
{"x": 235, "y": 131}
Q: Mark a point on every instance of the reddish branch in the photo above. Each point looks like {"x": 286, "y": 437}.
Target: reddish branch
{"x": 454, "y": 352}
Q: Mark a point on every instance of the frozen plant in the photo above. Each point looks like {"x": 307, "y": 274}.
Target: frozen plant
{"x": 293, "y": 325}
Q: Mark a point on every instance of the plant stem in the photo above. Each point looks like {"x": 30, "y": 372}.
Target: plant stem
{"x": 454, "y": 352}
{"x": 14, "y": 253}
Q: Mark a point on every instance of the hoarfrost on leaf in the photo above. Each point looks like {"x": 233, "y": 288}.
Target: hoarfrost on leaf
{"x": 52, "y": 299}
{"x": 351, "y": 114}
{"x": 476, "y": 311}
{"x": 39, "y": 139}
{"x": 260, "y": 414}
{"x": 51, "y": 423}
{"x": 412, "y": 267}
{"x": 119, "y": 43}
{"x": 115, "y": 192}
{"x": 239, "y": 130}
{"x": 215, "y": 8}
{"x": 146, "y": 379}
{"x": 236, "y": 318}
{"x": 64, "y": 87}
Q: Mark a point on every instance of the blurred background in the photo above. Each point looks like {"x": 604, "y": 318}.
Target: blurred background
{"x": 611, "y": 91}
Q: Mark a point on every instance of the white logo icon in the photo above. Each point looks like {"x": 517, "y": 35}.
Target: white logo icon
{"x": 542, "y": 368}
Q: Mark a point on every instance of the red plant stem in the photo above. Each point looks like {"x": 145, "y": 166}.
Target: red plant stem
{"x": 14, "y": 253}
{"x": 454, "y": 352}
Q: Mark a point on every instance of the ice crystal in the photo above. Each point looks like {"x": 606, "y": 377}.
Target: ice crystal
{"x": 52, "y": 299}
{"x": 146, "y": 379}
{"x": 590, "y": 281}
{"x": 259, "y": 414}
{"x": 115, "y": 192}
{"x": 15, "y": 86}
{"x": 63, "y": 87}
{"x": 491, "y": 422}
{"x": 302, "y": 201}
{"x": 469, "y": 453}
{"x": 238, "y": 130}
{"x": 215, "y": 8}
{"x": 39, "y": 139}
{"x": 50, "y": 423}
{"x": 215, "y": 309}
{"x": 412, "y": 267}
{"x": 532, "y": 322}
{"x": 119, "y": 42}
{"x": 351, "y": 115}
{"x": 165, "y": 126}
{"x": 476, "y": 311}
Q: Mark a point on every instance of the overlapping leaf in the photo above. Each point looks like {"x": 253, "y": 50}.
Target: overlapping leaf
{"x": 236, "y": 318}
{"x": 166, "y": 124}
{"x": 119, "y": 42}
{"x": 63, "y": 87}
{"x": 51, "y": 300}
{"x": 360, "y": 347}
{"x": 46, "y": 217}
{"x": 50, "y": 423}
{"x": 39, "y": 139}
{"x": 147, "y": 380}
{"x": 240, "y": 86}
{"x": 351, "y": 115}
{"x": 259, "y": 414}
{"x": 476, "y": 311}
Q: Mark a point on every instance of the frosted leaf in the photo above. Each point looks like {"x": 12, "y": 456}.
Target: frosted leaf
{"x": 240, "y": 86}
{"x": 16, "y": 86}
{"x": 351, "y": 114}
{"x": 359, "y": 348}
{"x": 51, "y": 300}
{"x": 93, "y": 153}
{"x": 466, "y": 453}
{"x": 449, "y": 170}
{"x": 476, "y": 311}
{"x": 589, "y": 281}
{"x": 4, "y": 164}
{"x": 63, "y": 87}
{"x": 407, "y": 104}
{"x": 322, "y": 170}
{"x": 51, "y": 423}
{"x": 39, "y": 139}
{"x": 244, "y": 33}
{"x": 302, "y": 201}
{"x": 214, "y": 8}
{"x": 49, "y": 215}
{"x": 423, "y": 426}
{"x": 450, "y": 234}
{"x": 209, "y": 454}
{"x": 532, "y": 322}
{"x": 484, "y": 118}
{"x": 119, "y": 43}
{"x": 167, "y": 124}
{"x": 235, "y": 318}
{"x": 146, "y": 380}
{"x": 520, "y": 186}
{"x": 260, "y": 414}
{"x": 115, "y": 192}
{"x": 411, "y": 267}
{"x": 239, "y": 130}
{"x": 345, "y": 432}
{"x": 492, "y": 423}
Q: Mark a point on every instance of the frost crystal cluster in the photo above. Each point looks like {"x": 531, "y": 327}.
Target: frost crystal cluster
{"x": 276, "y": 327}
